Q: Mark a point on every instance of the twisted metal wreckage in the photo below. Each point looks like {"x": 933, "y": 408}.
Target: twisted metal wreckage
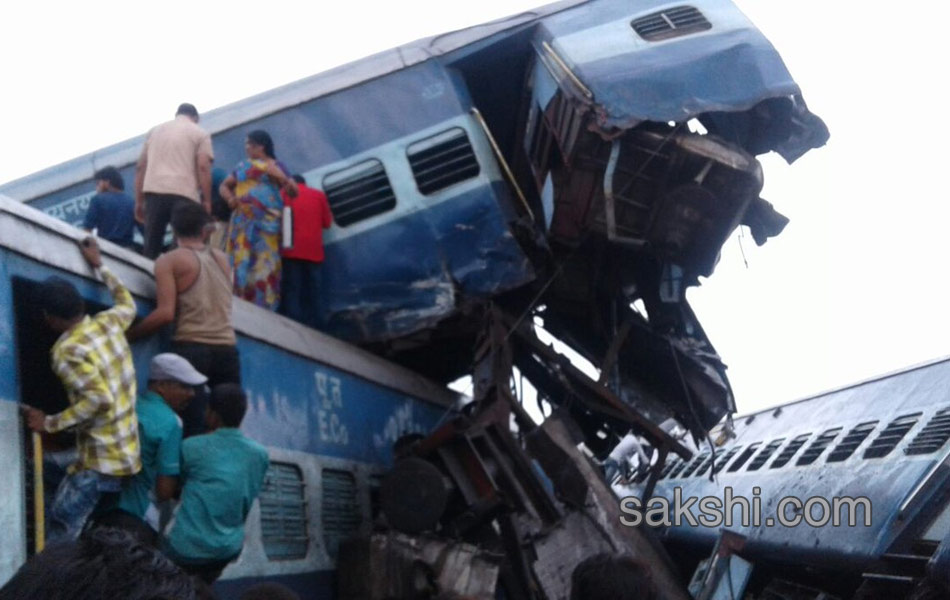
{"x": 636, "y": 201}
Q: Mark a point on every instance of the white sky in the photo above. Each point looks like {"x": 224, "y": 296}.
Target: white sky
{"x": 852, "y": 288}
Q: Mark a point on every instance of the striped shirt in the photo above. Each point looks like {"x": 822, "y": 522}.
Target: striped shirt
{"x": 94, "y": 362}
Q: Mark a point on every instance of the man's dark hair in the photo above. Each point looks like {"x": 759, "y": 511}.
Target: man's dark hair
{"x": 188, "y": 110}
{"x": 112, "y": 176}
{"x": 103, "y": 563}
{"x": 612, "y": 577}
{"x": 229, "y": 402}
{"x": 59, "y": 298}
{"x": 269, "y": 591}
{"x": 189, "y": 219}
{"x": 300, "y": 179}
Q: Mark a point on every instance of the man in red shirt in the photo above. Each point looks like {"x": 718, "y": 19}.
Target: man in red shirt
{"x": 305, "y": 218}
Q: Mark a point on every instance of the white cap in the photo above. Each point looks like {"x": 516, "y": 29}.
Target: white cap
{"x": 171, "y": 367}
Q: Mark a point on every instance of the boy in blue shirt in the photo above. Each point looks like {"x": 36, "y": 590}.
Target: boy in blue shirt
{"x": 171, "y": 384}
{"x": 222, "y": 473}
{"x": 111, "y": 211}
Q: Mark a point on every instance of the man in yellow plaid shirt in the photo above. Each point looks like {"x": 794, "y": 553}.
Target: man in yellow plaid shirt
{"x": 94, "y": 362}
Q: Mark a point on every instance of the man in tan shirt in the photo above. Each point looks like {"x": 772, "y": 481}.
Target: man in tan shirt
{"x": 174, "y": 165}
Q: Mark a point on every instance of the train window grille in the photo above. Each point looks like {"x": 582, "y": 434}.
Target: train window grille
{"x": 818, "y": 446}
{"x": 700, "y": 459}
{"x": 789, "y": 452}
{"x": 442, "y": 160}
{"x": 359, "y": 192}
{"x": 891, "y": 435}
{"x": 680, "y": 465}
{"x": 850, "y": 442}
{"x": 703, "y": 468}
{"x": 762, "y": 457}
{"x": 723, "y": 460}
{"x": 745, "y": 456}
{"x": 668, "y": 467}
{"x": 670, "y": 23}
{"x": 933, "y": 436}
{"x": 284, "y": 513}
{"x": 339, "y": 508}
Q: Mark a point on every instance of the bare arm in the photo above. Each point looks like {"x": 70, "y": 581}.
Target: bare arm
{"x": 226, "y": 189}
{"x": 282, "y": 179}
{"x": 123, "y": 312}
{"x": 204, "y": 180}
{"x": 140, "y": 184}
{"x": 166, "y": 486}
{"x": 166, "y": 294}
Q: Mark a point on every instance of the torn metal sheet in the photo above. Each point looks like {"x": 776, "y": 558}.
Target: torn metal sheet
{"x": 662, "y": 63}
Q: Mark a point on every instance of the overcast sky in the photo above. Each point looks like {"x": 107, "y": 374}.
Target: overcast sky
{"x": 853, "y": 287}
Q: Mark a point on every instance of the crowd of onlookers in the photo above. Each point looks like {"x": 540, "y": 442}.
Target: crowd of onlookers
{"x": 169, "y": 464}
{"x": 268, "y": 221}
{"x": 164, "y": 476}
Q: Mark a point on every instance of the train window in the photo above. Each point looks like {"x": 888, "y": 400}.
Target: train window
{"x": 359, "y": 192}
{"x": 888, "y": 439}
{"x": 851, "y": 441}
{"x": 723, "y": 460}
{"x": 762, "y": 457}
{"x": 339, "y": 507}
{"x": 668, "y": 467}
{"x": 932, "y": 437}
{"x": 539, "y": 148}
{"x": 789, "y": 451}
{"x": 670, "y": 23}
{"x": 704, "y": 467}
{"x": 700, "y": 459}
{"x": 675, "y": 471}
{"x": 442, "y": 160}
{"x": 744, "y": 457}
{"x": 284, "y": 513}
{"x": 813, "y": 451}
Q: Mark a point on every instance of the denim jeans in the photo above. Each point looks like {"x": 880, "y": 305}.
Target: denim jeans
{"x": 76, "y": 497}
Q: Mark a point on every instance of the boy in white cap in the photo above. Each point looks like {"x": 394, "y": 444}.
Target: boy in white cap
{"x": 171, "y": 385}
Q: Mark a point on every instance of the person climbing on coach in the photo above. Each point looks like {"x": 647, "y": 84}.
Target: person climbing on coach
{"x": 193, "y": 291}
{"x": 171, "y": 386}
{"x": 222, "y": 473}
{"x": 93, "y": 360}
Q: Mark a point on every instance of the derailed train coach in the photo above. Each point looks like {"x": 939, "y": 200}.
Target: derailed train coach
{"x": 557, "y": 166}
{"x": 844, "y": 494}
{"x": 561, "y": 163}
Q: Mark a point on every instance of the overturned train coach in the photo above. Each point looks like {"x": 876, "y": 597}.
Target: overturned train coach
{"x": 565, "y": 162}
{"x": 327, "y": 412}
{"x": 843, "y": 494}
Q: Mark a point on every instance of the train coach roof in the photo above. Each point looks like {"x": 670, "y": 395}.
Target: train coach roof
{"x": 291, "y": 94}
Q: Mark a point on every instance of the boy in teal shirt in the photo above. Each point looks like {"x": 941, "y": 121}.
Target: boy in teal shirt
{"x": 222, "y": 473}
{"x": 171, "y": 384}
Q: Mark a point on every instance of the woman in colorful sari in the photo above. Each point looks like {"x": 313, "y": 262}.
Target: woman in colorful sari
{"x": 252, "y": 191}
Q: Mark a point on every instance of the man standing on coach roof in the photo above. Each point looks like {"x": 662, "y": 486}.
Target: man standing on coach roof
{"x": 174, "y": 165}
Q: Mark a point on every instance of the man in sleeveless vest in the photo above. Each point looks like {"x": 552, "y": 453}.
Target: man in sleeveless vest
{"x": 193, "y": 290}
